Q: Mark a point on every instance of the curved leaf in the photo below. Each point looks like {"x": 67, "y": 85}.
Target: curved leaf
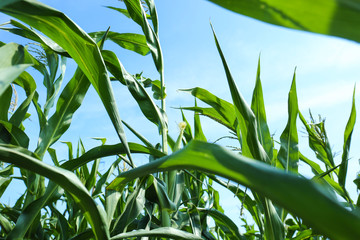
{"x": 331, "y": 17}
{"x": 258, "y": 107}
{"x": 146, "y": 104}
{"x": 59, "y": 28}
{"x": 66, "y": 179}
{"x": 223, "y": 108}
{"x": 130, "y": 41}
{"x": 296, "y": 194}
{"x": 166, "y": 232}
{"x": 108, "y": 150}
{"x": 289, "y": 152}
{"x": 347, "y": 140}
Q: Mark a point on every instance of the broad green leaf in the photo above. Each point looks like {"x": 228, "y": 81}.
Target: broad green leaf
{"x": 5, "y": 224}
{"x": 296, "y": 194}
{"x": 225, "y": 223}
{"x": 194, "y": 219}
{"x": 146, "y": 104}
{"x": 108, "y": 150}
{"x": 330, "y": 17}
{"x": 102, "y": 181}
{"x": 198, "y": 132}
{"x": 69, "y": 101}
{"x": 55, "y": 84}
{"x": 130, "y": 41}
{"x": 10, "y": 134}
{"x": 134, "y": 205}
{"x": 347, "y": 140}
{"x": 244, "y": 198}
{"x": 138, "y": 14}
{"x": 289, "y": 152}
{"x": 58, "y": 27}
{"x": 4, "y": 183}
{"x": 26, "y": 81}
{"x": 250, "y": 145}
{"x": 157, "y": 192}
{"x": 153, "y": 15}
{"x": 316, "y": 169}
{"x": 223, "y": 108}
{"x": 12, "y": 64}
{"x": 9, "y": 74}
{"x": 5, "y": 100}
{"x": 31, "y": 34}
{"x": 165, "y": 232}
{"x": 258, "y": 108}
{"x": 66, "y": 179}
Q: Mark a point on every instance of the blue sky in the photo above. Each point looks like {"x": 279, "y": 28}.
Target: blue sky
{"x": 327, "y": 70}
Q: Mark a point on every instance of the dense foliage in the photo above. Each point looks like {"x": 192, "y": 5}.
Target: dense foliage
{"x": 173, "y": 195}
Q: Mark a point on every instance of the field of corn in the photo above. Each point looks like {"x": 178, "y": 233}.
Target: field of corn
{"x": 172, "y": 196}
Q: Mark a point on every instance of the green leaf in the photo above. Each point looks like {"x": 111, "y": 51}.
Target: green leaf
{"x": 66, "y": 179}
{"x": 108, "y": 150}
{"x": 120, "y": 10}
{"x": 165, "y": 232}
{"x": 58, "y": 27}
{"x": 250, "y": 145}
{"x": 134, "y": 205}
{"x": 146, "y": 104}
{"x": 12, "y": 64}
{"x": 298, "y": 195}
{"x": 198, "y": 132}
{"x": 223, "y": 108}
{"x": 26, "y": 81}
{"x": 69, "y": 101}
{"x": 138, "y": 14}
{"x": 347, "y": 140}
{"x": 31, "y": 34}
{"x": 331, "y": 17}
{"x": 10, "y": 134}
{"x": 258, "y": 108}
{"x": 4, "y": 183}
{"x": 289, "y": 152}
{"x": 225, "y": 223}
{"x": 316, "y": 169}
{"x": 129, "y": 41}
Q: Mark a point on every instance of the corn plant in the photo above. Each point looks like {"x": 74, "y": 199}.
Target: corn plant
{"x": 173, "y": 195}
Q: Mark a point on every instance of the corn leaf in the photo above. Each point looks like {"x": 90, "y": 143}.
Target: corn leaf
{"x": 222, "y": 107}
{"x": 108, "y": 150}
{"x": 12, "y": 64}
{"x": 69, "y": 101}
{"x": 250, "y": 145}
{"x": 146, "y": 104}
{"x": 129, "y": 41}
{"x": 258, "y": 108}
{"x": 58, "y": 27}
{"x": 165, "y": 232}
{"x": 289, "y": 152}
{"x": 330, "y": 17}
{"x": 66, "y": 179}
{"x": 298, "y": 195}
{"x": 347, "y": 140}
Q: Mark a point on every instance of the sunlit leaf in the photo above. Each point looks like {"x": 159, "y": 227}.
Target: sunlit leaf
{"x": 331, "y": 17}
{"x": 296, "y": 194}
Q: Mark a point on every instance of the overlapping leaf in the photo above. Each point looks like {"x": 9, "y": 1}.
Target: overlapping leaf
{"x": 331, "y": 17}
{"x": 296, "y": 194}
{"x": 67, "y": 180}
